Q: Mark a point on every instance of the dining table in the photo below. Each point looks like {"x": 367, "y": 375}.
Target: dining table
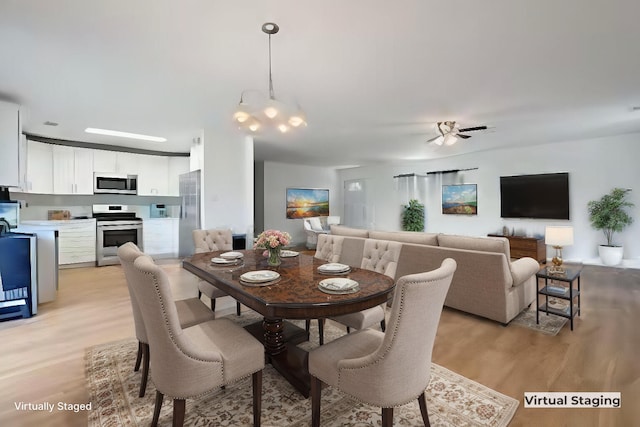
{"x": 295, "y": 294}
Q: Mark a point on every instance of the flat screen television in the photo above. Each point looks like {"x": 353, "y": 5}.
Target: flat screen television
{"x": 543, "y": 196}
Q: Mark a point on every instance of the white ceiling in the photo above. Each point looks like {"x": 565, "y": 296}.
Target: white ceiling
{"x": 372, "y": 75}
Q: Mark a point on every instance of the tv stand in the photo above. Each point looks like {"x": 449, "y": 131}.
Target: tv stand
{"x": 526, "y": 246}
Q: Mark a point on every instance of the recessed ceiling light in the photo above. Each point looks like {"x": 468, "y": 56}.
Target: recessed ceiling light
{"x": 48, "y": 123}
{"x": 125, "y": 134}
{"x": 635, "y": 108}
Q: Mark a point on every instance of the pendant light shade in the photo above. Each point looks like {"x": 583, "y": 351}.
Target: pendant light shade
{"x": 268, "y": 113}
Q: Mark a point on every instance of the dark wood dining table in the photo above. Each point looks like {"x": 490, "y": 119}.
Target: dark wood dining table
{"x": 295, "y": 295}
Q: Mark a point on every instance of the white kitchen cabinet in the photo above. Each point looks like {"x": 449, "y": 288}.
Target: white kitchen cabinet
{"x": 10, "y": 144}
{"x": 177, "y": 166}
{"x": 72, "y": 170}
{"x": 153, "y": 175}
{"x": 76, "y": 239}
{"x": 160, "y": 237}
{"x": 105, "y": 161}
{"x": 128, "y": 163}
{"x": 39, "y": 176}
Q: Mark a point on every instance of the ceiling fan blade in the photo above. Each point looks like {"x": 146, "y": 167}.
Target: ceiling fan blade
{"x": 434, "y": 138}
{"x": 473, "y": 129}
{"x": 463, "y": 136}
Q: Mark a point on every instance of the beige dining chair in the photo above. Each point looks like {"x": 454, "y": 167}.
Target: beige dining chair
{"x": 392, "y": 368}
{"x": 329, "y": 248}
{"x": 190, "y": 311}
{"x": 189, "y": 362}
{"x": 218, "y": 239}
{"x": 380, "y": 256}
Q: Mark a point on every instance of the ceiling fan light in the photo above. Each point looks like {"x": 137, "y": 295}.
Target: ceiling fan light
{"x": 283, "y": 128}
{"x": 273, "y": 109}
{"x": 450, "y": 139}
{"x": 439, "y": 140}
{"x": 251, "y": 125}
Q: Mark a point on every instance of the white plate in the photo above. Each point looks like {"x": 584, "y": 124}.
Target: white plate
{"x": 338, "y": 285}
{"x": 260, "y": 276}
{"x": 334, "y": 267}
{"x": 288, "y": 254}
{"x": 231, "y": 255}
{"x": 223, "y": 261}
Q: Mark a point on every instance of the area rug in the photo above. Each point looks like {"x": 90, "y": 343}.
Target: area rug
{"x": 549, "y": 325}
{"x": 452, "y": 400}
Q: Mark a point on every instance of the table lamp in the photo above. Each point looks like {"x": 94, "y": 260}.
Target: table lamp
{"x": 558, "y": 237}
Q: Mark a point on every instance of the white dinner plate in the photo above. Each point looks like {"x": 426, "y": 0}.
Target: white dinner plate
{"x": 288, "y": 254}
{"x": 231, "y": 255}
{"x": 338, "y": 285}
{"x": 334, "y": 267}
{"x": 260, "y": 276}
{"x": 223, "y": 261}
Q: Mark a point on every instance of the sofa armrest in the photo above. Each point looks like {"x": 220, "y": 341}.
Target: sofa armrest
{"x": 522, "y": 269}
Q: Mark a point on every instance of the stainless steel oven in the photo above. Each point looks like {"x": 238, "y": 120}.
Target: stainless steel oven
{"x": 115, "y": 226}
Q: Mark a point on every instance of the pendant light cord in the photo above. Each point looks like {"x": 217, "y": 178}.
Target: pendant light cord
{"x": 271, "y": 93}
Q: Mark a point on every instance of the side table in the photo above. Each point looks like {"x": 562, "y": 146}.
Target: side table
{"x": 570, "y": 293}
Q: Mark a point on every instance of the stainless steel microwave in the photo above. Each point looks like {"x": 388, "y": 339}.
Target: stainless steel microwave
{"x": 113, "y": 183}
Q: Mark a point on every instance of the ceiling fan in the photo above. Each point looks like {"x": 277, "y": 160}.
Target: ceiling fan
{"x": 450, "y": 132}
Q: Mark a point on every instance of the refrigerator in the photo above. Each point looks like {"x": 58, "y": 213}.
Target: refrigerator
{"x": 189, "y": 187}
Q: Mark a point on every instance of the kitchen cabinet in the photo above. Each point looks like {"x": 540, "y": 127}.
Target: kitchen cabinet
{"x": 76, "y": 239}
{"x": 153, "y": 175}
{"x": 177, "y": 166}
{"x": 105, "y": 161}
{"x": 10, "y": 144}
{"x": 72, "y": 170}
{"x": 160, "y": 237}
{"x": 39, "y": 176}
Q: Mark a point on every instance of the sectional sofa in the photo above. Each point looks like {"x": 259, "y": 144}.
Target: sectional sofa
{"x": 487, "y": 282}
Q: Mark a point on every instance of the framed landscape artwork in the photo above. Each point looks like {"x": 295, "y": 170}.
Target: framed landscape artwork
{"x": 307, "y": 202}
{"x": 460, "y": 199}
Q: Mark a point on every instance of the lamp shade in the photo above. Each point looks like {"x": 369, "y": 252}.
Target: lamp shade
{"x": 558, "y": 236}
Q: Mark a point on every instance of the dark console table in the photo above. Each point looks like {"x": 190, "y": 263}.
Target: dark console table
{"x": 526, "y": 246}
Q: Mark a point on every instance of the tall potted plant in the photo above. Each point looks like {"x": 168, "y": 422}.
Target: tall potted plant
{"x": 413, "y": 216}
{"x": 608, "y": 214}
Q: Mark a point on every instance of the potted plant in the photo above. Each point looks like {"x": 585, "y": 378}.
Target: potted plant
{"x": 413, "y": 216}
{"x": 608, "y": 214}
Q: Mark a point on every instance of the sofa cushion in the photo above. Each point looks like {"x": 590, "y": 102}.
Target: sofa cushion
{"x": 483, "y": 244}
{"x": 342, "y": 230}
{"x": 415, "y": 237}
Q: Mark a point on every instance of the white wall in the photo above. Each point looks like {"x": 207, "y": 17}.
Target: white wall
{"x": 594, "y": 166}
{"x": 227, "y": 180}
{"x": 279, "y": 176}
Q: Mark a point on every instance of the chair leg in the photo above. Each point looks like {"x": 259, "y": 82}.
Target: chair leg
{"x": 199, "y": 294}
{"x": 321, "y": 331}
{"x": 156, "y": 409}
{"x": 316, "y": 391}
{"x": 383, "y": 325}
{"x": 348, "y": 330}
{"x": 178, "y": 412}
{"x": 237, "y": 308}
{"x": 138, "y": 357}
{"x": 257, "y": 398}
{"x": 422, "y": 401}
{"x": 307, "y": 325}
{"x": 145, "y": 369}
{"x": 387, "y": 417}
{"x": 213, "y": 304}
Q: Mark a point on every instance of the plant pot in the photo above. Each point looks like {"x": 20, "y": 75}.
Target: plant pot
{"x": 610, "y": 255}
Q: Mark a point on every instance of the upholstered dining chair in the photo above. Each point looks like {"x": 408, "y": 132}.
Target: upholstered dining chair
{"x": 190, "y": 311}
{"x": 328, "y": 249}
{"x": 190, "y": 362}
{"x": 380, "y": 256}
{"x": 392, "y": 368}
{"x": 218, "y": 239}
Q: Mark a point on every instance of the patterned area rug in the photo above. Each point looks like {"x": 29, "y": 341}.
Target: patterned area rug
{"x": 549, "y": 325}
{"x": 452, "y": 400}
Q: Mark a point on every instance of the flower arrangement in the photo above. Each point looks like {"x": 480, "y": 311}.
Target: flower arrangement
{"x": 272, "y": 241}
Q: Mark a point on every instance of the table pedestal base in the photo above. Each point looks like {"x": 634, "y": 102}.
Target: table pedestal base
{"x": 280, "y": 339}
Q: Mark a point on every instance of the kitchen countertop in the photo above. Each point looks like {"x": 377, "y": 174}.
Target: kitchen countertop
{"x": 54, "y": 222}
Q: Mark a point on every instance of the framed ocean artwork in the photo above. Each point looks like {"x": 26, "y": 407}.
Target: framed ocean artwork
{"x": 307, "y": 202}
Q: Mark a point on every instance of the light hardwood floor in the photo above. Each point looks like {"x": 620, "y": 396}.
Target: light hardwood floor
{"x": 43, "y": 357}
